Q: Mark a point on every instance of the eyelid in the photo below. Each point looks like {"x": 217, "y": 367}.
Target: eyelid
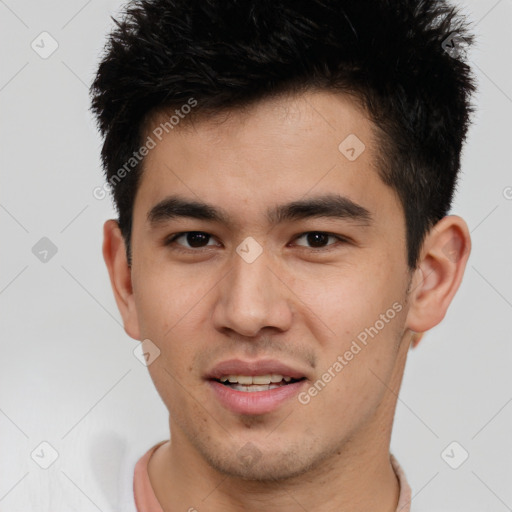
{"x": 340, "y": 240}
{"x": 168, "y": 240}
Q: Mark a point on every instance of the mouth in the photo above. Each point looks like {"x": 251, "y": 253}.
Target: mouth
{"x": 256, "y": 383}
{"x": 254, "y": 387}
{"x": 244, "y": 398}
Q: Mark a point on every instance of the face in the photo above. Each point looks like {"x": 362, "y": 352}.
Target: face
{"x": 290, "y": 267}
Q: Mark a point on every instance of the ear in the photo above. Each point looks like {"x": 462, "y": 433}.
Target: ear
{"x": 114, "y": 254}
{"x": 439, "y": 273}
{"x": 416, "y": 338}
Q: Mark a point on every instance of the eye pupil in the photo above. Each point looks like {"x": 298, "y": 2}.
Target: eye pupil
{"x": 197, "y": 238}
{"x": 317, "y": 239}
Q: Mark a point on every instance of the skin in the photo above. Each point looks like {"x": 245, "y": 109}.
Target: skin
{"x": 293, "y": 304}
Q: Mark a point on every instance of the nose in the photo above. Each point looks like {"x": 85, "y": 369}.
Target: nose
{"x": 253, "y": 296}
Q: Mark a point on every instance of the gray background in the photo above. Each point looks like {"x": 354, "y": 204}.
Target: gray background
{"x": 68, "y": 375}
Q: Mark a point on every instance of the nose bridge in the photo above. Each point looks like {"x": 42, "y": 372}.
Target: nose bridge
{"x": 251, "y": 297}
{"x": 252, "y": 268}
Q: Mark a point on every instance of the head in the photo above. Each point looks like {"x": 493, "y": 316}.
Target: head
{"x": 283, "y": 173}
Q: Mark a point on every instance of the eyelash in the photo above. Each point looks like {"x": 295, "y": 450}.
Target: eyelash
{"x": 176, "y": 247}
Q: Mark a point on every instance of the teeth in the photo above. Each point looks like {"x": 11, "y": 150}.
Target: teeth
{"x": 243, "y": 379}
{"x": 250, "y": 389}
{"x": 259, "y": 380}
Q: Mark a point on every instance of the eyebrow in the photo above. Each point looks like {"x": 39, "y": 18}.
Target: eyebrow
{"x": 329, "y": 205}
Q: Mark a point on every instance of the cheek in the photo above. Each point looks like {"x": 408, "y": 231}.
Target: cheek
{"x": 345, "y": 300}
{"x": 166, "y": 380}
{"x": 359, "y": 318}
{"x": 167, "y": 297}
{"x": 168, "y": 312}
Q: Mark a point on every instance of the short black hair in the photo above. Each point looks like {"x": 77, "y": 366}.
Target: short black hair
{"x": 399, "y": 59}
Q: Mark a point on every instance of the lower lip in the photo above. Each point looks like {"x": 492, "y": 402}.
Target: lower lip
{"x": 255, "y": 402}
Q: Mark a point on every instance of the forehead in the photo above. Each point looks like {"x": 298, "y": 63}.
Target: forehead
{"x": 250, "y": 159}
{"x": 286, "y": 120}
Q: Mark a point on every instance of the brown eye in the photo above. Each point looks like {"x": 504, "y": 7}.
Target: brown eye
{"x": 194, "y": 239}
{"x": 319, "y": 239}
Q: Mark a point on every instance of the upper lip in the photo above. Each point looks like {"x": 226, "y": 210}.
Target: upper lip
{"x": 252, "y": 368}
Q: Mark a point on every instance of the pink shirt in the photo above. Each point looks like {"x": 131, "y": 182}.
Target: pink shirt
{"x": 145, "y": 499}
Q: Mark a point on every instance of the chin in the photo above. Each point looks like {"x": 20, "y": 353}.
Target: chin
{"x": 251, "y": 464}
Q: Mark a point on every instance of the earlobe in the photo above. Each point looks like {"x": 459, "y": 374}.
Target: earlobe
{"x": 439, "y": 273}
{"x": 114, "y": 254}
{"x": 416, "y": 338}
